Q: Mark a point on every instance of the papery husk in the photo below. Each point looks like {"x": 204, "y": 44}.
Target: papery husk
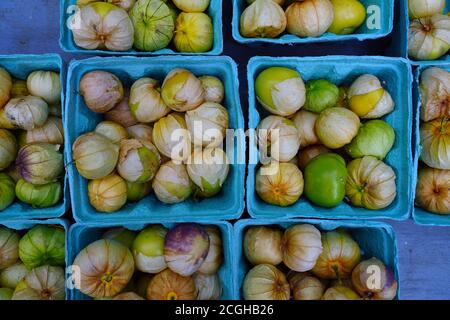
{"x": 172, "y": 184}
{"x": 279, "y": 184}
{"x": 214, "y": 89}
{"x": 121, "y": 113}
{"x": 51, "y": 132}
{"x": 263, "y": 19}
{"x": 340, "y": 293}
{"x": 169, "y": 285}
{"x": 146, "y": 104}
{"x": 435, "y": 141}
{"x": 301, "y": 247}
{"x": 339, "y": 256}
{"x": 46, "y": 85}
{"x": 435, "y": 94}
{"x": 305, "y": 122}
{"x": 265, "y": 282}
{"x": 209, "y": 286}
{"x": 111, "y": 130}
{"x": 424, "y": 8}
{"x": 8, "y": 149}
{"x": 6, "y": 85}
{"x": 429, "y": 38}
{"x": 124, "y": 4}
{"x": 262, "y": 244}
{"x": 105, "y": 267}
{"x": 193, "y": 32}
{"x": 369, "y": 277}
{"x": 42, "y": 196}
{"x": 107, "y": 194}
{"x": 9, "y": 247}
{"x": 148, "y": 249}
{"x": 214, "y": 259}
{"x": 27, "y": 112}
{"x": 101, "y": 91}
{"x": 192, "y": 6}
{"x": 309, "y": 18}
{"x": 101, "y": 25}
{"x": 7, "y": 192}
{"x": 433, "y": 190}
{"x": 141, "y": 132}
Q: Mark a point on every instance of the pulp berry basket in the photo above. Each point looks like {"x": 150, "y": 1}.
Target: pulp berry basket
{"x": 401, "y": 37}
{"x": 228, "y": 204}
{"x": 375, "y": 239}
{"x": 396, "y": 77}
{"x": 20, "y": 66}
{"x": 67, "y": 43}
{"x": 420, "y": 215}
{"x": 378, "y": 24}
{"x": 81, "y": 235}
{"x": 22, "y": 226}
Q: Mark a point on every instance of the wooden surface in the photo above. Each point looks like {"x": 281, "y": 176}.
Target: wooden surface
{"x": 32, "y": 26}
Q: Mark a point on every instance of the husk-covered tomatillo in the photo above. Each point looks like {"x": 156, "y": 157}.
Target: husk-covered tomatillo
{"x": 435, "y": 94}
{"x": 279, "y": 184}
{"x": 108, "y": 194}
{"x": 124, "y": 4}
{"x": 111, "y": 130}
{"x": 209, "y": 286}
{"x": 19, "y": 88}
{"x": 370, "y": 183}
{"x": 138, "y": 160}
{"x": 263, "y": 19}
{"x": 368, "y": 99}
{"x": 46, "y": 85}
{"x": 101, "y": 91}
{"x": 429, "y": 38}
{"x": 278, "y": 139}
{"x": 11, "y": 276}
{"x": 214, "y": 89}
{"x": 265, "y": 282}
{"x": 214, "y": 259}
{"x": 309, "y": 153}
{"x": 121, "y": 113}
{"x": 362, "y": 277}
{"x": 182, "y": 91}
{"x": 309, "y": 18}
{"x": 146, "y": 104}
{"x": 42, "y": 283}
{"x": 107, "y": 274}
{"x": 306, "y": 287}
{"x": 339, "y": 256}
{"x": 148, "y": 249}
{"x": 192, "y": 5}
{"x": 153, "y": 25}
{"x": 101, "y": 25}
{"x": 336, "y": 127}
{"x": 424, "y": 8}
{"x": 280, "y": 90}
{"x": 168, "y": 285}
{"x": 8, "y": 149}
{"x": 51, "y": 132}
{"x": 186, "y": 248}
{"x": 435, "y": 141}
{"x": 208, "y": 124}
{"x": 193, "y": 32}
{"x": 27, "y": 112}
{"x": 301, "y": 247}
{"x": 433, "y": 190}
{"x": 389, "y": 291}
{"x": 40, "y": 163}
{"x": 208, "y": 169}
{"x": 171, "y": 137}
{"x": 172, "y": 184}
{"x": 43, "y": 245}
{"x": 7, "y": 193}
{"x": 141, "y": 132}
{"x": 305, "y": 122}
{"x": 5, "y": 86}
{"x": 39, "y": 196}
{"x": 374, "y": 138}
{"x": 262, "y": 244}
{"x": 9, "y": 247}
{"x": 95, "y": 155}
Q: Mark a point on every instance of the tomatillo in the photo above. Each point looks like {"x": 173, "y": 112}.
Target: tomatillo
{"x": 325, "y": 177}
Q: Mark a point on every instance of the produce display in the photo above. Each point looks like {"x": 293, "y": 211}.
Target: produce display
{"x": 325, "y": 141}
{"x": 307, "y": 18}
{"x": 31, "y": 140}
{"x": 429, "y": 29}
{"x": 303, "y": 263}
{"x": 32, "y": 264}
{"x": 157, "y": 263}
{"x": 433, "y": 182}
{"x": 166, "y": 138}
{"x": 145, "y": 25}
